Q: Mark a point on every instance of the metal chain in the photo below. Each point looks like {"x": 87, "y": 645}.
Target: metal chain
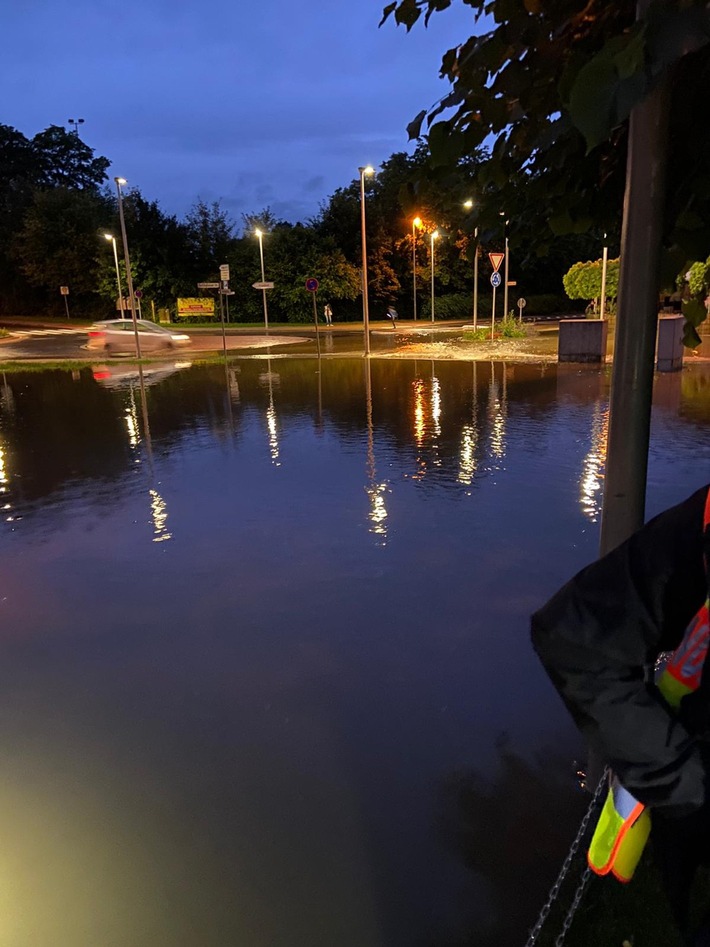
{"x": 564, "y": 870}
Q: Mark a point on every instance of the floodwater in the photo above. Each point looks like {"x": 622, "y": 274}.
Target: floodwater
{"x": 266, "y": 678}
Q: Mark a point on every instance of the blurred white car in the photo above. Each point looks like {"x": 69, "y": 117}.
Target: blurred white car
{"x": 115, "y": 336}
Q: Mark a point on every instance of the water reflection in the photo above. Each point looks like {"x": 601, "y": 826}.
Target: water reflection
{"x": 469, "y": 436}
{"x": 159, "y": 514}
{"x": 270, "y": 379}
{"x": 497, "y": 411}
{"x": 249, "y": 681}
{"x": 591, "y": 484}
{"x": 376, "y": 491}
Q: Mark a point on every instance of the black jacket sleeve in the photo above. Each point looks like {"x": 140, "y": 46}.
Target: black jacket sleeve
{"x": 599, "y": 638}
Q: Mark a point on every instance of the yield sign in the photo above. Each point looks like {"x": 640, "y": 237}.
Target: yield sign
{"x": 496, "y": 260}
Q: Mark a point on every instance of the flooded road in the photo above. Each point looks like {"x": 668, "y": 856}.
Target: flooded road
{"x": 266, "y": 677}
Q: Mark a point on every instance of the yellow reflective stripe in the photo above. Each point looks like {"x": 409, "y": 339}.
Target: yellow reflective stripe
{"x": 602, "y": 845}
{"x": 630, "y": 848}
{"x": 672, "y": 689}
{"x": 618, "y": 841}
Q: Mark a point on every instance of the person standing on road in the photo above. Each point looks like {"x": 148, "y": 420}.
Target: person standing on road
{"x": 392, "y": 314}
{"x": 328, "y": 313}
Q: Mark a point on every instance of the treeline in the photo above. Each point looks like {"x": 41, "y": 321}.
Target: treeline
{"x": 57, "y": 204}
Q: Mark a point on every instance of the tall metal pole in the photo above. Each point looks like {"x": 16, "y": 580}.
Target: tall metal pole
{"x": 263, "y": 278}
{"x": 129, "y": 278}
{"x": 414, "y": 266}
{"x": 602, "y": 301}
{"x": 475, "y": 282}
{"x": 118, "y": 271}
{"x": 632, "y": 375}
{"x": 434, "y": 235}
{"x": 365, "y": 301}
{"x": 505, "y": 288}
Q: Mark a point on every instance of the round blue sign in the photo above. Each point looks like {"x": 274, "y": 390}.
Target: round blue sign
{"x": 312, "y": 284}
{"x": 496, "y": 279}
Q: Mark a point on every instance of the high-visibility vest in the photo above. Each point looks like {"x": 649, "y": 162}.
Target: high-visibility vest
{"x": 624, "y": 822}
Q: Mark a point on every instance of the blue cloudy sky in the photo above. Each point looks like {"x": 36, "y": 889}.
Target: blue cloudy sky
{"x": 249, "y": 102}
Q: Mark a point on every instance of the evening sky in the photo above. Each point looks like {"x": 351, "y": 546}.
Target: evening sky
{"x": 250, "y": 102}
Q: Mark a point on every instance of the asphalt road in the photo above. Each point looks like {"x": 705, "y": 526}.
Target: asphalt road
{"x": 71, "y": 344}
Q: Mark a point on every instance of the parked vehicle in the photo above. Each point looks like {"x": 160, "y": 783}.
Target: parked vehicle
{"x": 115, "y": 336}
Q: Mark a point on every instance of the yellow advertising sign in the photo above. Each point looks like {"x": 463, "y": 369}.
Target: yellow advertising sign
{"x": 194, "y": 306}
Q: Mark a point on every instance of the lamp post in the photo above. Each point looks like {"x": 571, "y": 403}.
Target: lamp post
{"x": 111, "y": 237}
{"x": 260, "y": 236}
{"x": 365, "y": 307}
{"x": 468, "y": 205}
{"x": 507, "y": 258}
{"x": 602, "y": 301}
{"x": 434, "y": 235}
{"x": 129, "y": 278}
{"x": 76, "y": 122}
{"x": 416, "y": 223}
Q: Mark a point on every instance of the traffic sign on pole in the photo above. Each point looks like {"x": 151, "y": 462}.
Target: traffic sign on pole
{"x": 522, "y": 303}
{"x": 224, "y": 272}
{"x": 496, "y": 260}
{"x": 496, "y": 279}
{"x": 312, "y": 284}
{"x": 64, "y": 290}
{"x": 208, "y": 285}
{"x": 265, "y": 285}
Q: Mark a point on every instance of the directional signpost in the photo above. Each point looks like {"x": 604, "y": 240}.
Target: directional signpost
{"x": 64, "y": 290}
{"x": 522, "y": 303}
{"x": 264, "y": 285}
{"x": 496, "y": 259}
{"x": 208, "y": 285}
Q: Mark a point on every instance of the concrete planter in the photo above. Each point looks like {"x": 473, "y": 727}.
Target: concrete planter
{"x": 582, "y": 340}
{"x": 669, "y": 345}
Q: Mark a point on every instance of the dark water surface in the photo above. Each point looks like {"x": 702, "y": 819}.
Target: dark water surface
{"x": 266, "y": 678}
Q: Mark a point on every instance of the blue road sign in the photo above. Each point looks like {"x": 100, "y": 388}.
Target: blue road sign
{"x": 496, "y": 279}
{"x": 311, "y": 284}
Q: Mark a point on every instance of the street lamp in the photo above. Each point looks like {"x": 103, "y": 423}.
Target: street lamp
{"x": 602, "y": 301}
{"x": 76, "y": 122}
{"x": 129, "y": 278}
{"x": 416, "y": 224}
{"x": 507, "y": 259}
{"x": 260, "y": 235}
{"x": 434, "y": 235}
{"x": 111, "y": 237}
{"x": 468, "y": 205}
{"x": 365, "y": 307}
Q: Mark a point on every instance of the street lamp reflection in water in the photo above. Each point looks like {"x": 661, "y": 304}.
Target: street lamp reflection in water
{"x": 159, "y": 515}
{"x": 376, "y": 492}
{"x": 498, "y": 412}
{"x": 269, "y": 379}
{"x": 468, "y": 463}
{"x": 592, "y": 481}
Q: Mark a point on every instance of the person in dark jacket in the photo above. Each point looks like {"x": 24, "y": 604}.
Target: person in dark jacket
{"x": 599, "y": 638}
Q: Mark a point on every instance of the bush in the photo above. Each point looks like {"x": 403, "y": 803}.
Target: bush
{"x": 548, "y": 304}
{"x": 510, "y": 328}
{"x": 453, "y": 306}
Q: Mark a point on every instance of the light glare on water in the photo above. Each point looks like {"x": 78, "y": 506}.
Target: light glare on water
{"x": 266, "y": 675}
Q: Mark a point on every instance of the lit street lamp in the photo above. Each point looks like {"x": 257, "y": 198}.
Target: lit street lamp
{"x": 260, "y": 236}
{"x": 76, "y": 122}
{"x": 434, "y": 235}
{"x": 110, "y": 237}
{"x": 507, "y": 259}
{"x": 129, "y": 278}
{"x": 365, "y": 307}
{"x": 416, "y": 223}
{"x": 602, "y": 301}
{"x": 468, "y": 205}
